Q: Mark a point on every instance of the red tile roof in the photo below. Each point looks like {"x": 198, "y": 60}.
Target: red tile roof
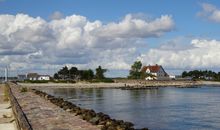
{"x": 153, "y": 69}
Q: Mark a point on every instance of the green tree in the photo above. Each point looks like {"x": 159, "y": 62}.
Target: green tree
{"x": 73, "y": 72}
{"x": 90, "y": 74}
{"x": 86, "y": 74}
{"x": 184, "y": 74}
{"x": 100, "y": 73}
{"x": 201, "y": 75}
{"x": 56, "y": 76}
{"x": 135, "y": 72}
{"x": 64, "y": 73}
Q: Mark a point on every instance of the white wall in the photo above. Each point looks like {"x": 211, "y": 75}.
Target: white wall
{"x": 43, "y": 78}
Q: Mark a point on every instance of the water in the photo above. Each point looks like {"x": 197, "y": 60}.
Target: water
{"x": 162, "y": 109}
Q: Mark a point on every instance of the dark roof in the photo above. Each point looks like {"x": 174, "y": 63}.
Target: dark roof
{"x": 30, "y": 75}
{"x": 44, "y": 75}
{"x": 21, "y": 75}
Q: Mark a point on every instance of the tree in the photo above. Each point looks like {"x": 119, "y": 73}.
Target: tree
{"x": 90, "y": 74}
{"x": 184, "y": 74}
{"x": 86, "y": 74}
{"x": 73, "y": 72}
{"x": 201, "y": 75}
{"x": 56, "y": 76}
{"x": 135, "y": 72}
{"x": 100, "y": 73}
{"x": 64, "y": 72}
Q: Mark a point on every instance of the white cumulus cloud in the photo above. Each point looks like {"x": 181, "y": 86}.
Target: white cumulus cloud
{"x": 201, "y": 53}
{"x": 74, "y": 40}
{"x": 56, "y": 15}
{"x": 210, "y": 12}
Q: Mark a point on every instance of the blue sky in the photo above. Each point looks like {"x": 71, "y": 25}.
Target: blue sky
{"x": 191, "y": 21}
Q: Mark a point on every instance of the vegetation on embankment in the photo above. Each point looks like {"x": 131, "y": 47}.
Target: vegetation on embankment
{"x": 6, "y": 92}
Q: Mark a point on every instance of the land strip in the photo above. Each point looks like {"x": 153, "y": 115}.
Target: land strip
{"x": 121, "y": 84}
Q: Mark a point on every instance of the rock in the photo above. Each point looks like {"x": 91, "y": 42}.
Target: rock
{"x": 68, "y": 110}
{"x": 94, "y": 120}
{"x": 102, "y": 122}
{"x": 104, "y": 128}
{"x": 129, "y": 124}
{"x": 112, "y": 128}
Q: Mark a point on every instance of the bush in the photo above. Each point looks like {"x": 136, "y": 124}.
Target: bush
{"x": 23, "y": 89}
{"x": 36, "y": 81}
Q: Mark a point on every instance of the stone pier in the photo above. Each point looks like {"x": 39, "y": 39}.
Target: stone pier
{"x": 43, "y": 115}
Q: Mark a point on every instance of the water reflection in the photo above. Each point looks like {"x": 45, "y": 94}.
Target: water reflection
{"x": 160, "y": 109}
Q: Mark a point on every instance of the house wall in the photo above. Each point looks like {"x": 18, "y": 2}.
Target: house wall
{"x": 44, "y": 78}
{"x": 33, "y": 78}
{"x": 161, "y": 73}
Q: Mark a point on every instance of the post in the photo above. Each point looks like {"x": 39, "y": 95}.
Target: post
{"x": 6, "y": 74}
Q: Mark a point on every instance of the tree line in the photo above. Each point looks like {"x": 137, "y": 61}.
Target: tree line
{"x": 203, "y": 75}
{"x": 75, "y": 74}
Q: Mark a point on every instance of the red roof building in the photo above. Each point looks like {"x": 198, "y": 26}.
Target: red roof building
{"x": 156, "y": 70}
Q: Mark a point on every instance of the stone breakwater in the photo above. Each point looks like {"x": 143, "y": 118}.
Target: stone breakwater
{"x": 21, "y": 119}
{"x": 91, "y": 116}
{"x": 157, "y": 83}
{"x": 44, "y": 115}
{"x": 119, "y": 83}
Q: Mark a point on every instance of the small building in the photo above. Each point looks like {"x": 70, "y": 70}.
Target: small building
{"x": 154, "y": 72}
{"x": 32, "y": 76}
{"x": 36, "y": 76}
{"x": 43, "y": 77}
{"x": 173, "y": 77}
{"x": 21, "y": 77}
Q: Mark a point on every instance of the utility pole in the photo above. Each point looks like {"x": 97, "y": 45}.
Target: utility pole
{"x": 6, "y": 74}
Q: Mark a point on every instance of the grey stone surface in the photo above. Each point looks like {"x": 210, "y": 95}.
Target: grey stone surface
{"x": 43, "y": 115}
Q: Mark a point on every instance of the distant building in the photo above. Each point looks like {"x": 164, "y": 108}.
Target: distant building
{"x": 36, "y": 76}
{"x": 172, "y": 76}
{"x": 43, "y": 77}
{"x": 21, "y": 77}
{"x": 32, "y": 76}
{"x": 154, "y": 72}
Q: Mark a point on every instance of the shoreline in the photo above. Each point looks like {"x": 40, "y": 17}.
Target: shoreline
{"x": 146, "y": 84}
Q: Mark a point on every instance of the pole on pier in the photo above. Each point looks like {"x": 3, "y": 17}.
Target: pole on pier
{"x": 6, "y": 74}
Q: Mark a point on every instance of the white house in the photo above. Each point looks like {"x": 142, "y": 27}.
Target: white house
{"x": 36, "y": 76}
{"x": 154, "y": 72}
{"x": 43, "y": 77}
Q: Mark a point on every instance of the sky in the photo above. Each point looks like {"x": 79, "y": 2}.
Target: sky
{"x": 45, "y": 35}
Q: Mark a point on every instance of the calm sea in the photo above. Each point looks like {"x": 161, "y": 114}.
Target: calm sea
{"x": 162, "y": 109}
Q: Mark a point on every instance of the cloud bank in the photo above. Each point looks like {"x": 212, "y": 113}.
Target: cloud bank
{"x": 201, "y": 53}
{"x": 210, "y": 12}
{"x": 28, "y": 42}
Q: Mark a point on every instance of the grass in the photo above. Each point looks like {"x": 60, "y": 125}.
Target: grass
{"x": 6, "y": 92}
{"x": 23, "y": 89}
